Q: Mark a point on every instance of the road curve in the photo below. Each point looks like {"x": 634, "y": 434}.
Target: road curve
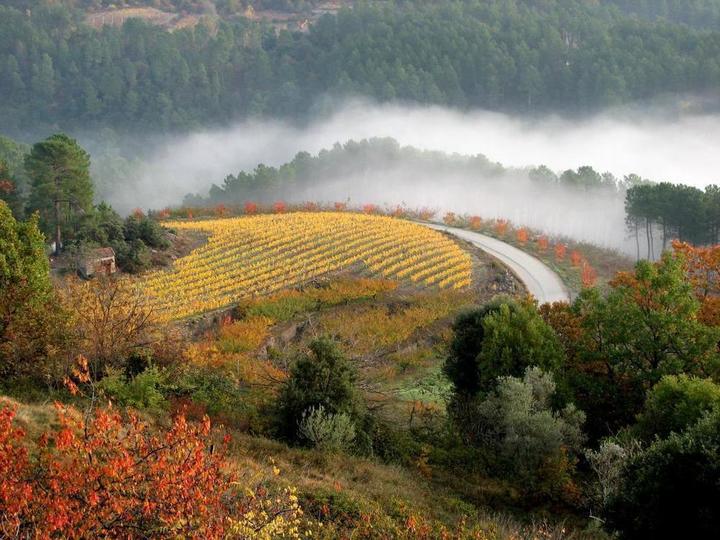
{"x": 543, "y": 283}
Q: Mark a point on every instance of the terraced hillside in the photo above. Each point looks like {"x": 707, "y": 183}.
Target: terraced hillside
{"x": 257, "y": 255}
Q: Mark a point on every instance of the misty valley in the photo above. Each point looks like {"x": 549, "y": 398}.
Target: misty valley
{"x": 360, "y": 269}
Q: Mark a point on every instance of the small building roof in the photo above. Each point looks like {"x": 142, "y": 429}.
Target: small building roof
{"x": 100, "y": 253}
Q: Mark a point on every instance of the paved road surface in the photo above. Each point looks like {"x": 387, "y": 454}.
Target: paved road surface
{"x": 543, "y": 283}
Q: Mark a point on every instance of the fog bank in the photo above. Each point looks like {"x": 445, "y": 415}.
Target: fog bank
{"x": 680, "y": 149}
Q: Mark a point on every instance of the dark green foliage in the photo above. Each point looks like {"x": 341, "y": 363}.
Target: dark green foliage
{"x": 695, "y": 13}
{"x": 461, "y": 365}
{"x": 133, "y": 257}
{"x": 130, "y": 239}
{"x": 143, "y": 390}
{"x": 59, "y": 170}
{"x": 672, "y": 489}
{"x": 501, "y": 339}
{"x": 516, "y": 337}
{"x": 676, "y": 403}
{"x": 145, "y": 229}
{"x": 527, "y": 439}
{"x": 13, "y": 179}
{"x": 217, "y": 395}
{"x": 645, "y": 328}
{"x": 137, "y": 362}
{"x": 523, "y": 55}
{"x": 9, "y": 190}
{"x": 32, "y": 324}
{"x": 323, "y": 376}
{"x": 657, "y": 213}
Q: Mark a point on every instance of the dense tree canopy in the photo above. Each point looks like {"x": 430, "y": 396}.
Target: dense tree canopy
{"x": 519, "y": 55}
{"x": 61, "y": 189}
{"x": 31, "y": 321}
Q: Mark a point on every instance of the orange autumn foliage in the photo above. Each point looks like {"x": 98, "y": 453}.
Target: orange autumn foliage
{"x": 475, "y": 223}
{"x": 398, "y": 212}
{"x": 250, "y": 208}
{"x": 702, "y": 266}
{"x": 501, "y": 227}
{"x": 576, "y": 258}
{"x": 221, "y": 210}
{"x": 449, "y": 218}
{"x": 566, "y": 324}
{"x": 522, "y": 235}
{"x": 588, "y": 275}
{"x": 102, "y": 475}
{"x": 340, "y": 206}
{"x": 310, "y": 206}
{"x": 543, "y": 243}
{"x": 426, "y": 214}
{"x": 560, "y": 251}
{"x": 279, "y": 207}
{"x": 369, "y": 208}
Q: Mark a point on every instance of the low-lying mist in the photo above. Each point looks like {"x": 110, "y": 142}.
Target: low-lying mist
{"x": 674, "y": 148}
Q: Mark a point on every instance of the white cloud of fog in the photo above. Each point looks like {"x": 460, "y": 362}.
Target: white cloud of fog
{"x": 681, "y": 149}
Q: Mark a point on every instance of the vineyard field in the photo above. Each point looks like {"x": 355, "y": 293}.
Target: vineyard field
{"x": 252, "y": 256}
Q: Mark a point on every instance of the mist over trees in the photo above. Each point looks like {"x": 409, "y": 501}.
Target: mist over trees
{"x": 658, "y": 213}
{"x": 515, "y": 56}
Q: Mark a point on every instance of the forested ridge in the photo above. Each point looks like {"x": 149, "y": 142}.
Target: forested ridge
{"x": 56, "y": 72}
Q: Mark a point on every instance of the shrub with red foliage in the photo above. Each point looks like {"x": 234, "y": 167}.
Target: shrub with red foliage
{"x": 103, "y": 476}
{"x": 340, "y": 206}
{"x": 588, "y": 275}
{"x": 501, "y": 227}
{"x": 522, "y": 236}
{"x": 543, "y": 244}
{"x": 6, "y": 186}
{"x": 138, "y": 213}
{"x": 398, "y": 212}
{"x": 576, "y": 258}
{"x": 279, "y": 207}
{"x": 369, "y": 208}
{"x": 560, "y": 251}
{"x": 250, "y": 208}
{"x": 702, "y": 266}
{"x": 310, "y": 206}
{"x": 426, "y": 214}
{"x": 475, "y": 223}
{"x": 449, "y": 218}
{"x": 221, "y": 210}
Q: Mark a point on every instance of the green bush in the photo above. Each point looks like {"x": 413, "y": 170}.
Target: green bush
{"x": 675, "y": 403}
{"x": 325, "y": 431}
{"x": 321, "y": 377}
{"x": 461, "y": 365}
{"x": 133, "y": 257}
{"x": 220, "y": 397}
{"x": 143, "y": 391}
{"x": 501, "y": 339}
{"x": 672, "y": 489}
{"x": 608, "y": 464}
{"x": 528, "y": 440}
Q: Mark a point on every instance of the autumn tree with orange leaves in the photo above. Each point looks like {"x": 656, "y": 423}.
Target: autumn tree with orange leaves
{"x": 109, "y": 475}
{"x": 647, "y": 326}
{"x": 702, "y": 265}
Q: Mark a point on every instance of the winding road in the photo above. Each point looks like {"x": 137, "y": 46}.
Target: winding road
{"x": 542, "y": 282}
